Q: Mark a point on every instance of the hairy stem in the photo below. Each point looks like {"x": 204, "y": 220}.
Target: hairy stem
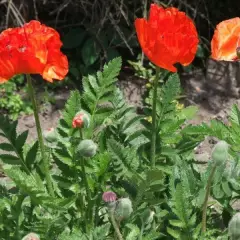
{"x": 40, "y": 136}
{"x": 115, "y": 225}
{"x": 154, "y": 118}
{"x": 204, "y": 213}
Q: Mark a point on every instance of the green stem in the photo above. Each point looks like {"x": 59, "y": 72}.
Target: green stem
{"x": 205, "y": 203}
{"x": 142, "y": 230}
{"x": 18, "y": 207}
{"x": 88, "y": 193}
{"x": 154, "y": 118}
{"x": 115, "y": 225}
{"x": 40, "y": 136}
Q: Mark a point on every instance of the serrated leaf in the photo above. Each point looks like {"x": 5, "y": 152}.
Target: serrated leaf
{"x": 235, "y": 115}
{"x": 173, "y": 233}
{"x": 177, "y": 223}
{"x": 10, "y": 159}
{"x": 31, "y": 155}
{"x": 20, "y": 141}
{"x": 6, "y": 147}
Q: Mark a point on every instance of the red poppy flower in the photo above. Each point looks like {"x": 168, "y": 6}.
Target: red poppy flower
{"x": 226, "y": 40}
{"x": 167, "y": 37}
{"x": 32, "y": 49}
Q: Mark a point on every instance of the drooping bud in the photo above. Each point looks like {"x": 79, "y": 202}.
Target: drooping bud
{"x": 81, "y": 120}
{"x": 109, "y": 196}
{"x": 87, "y": 148}
{"x": 147, "y": 216}
{"x": 31, "y": 236}
{"x": 234, "y": 227}
{"x": 123, "y": 209}
{"x": 220, "y": 153}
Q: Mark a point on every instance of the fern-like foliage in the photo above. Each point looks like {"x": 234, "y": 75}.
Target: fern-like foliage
{"x": 98, "y": 91}
{"x": 99, "y": 233}
{"x": 183, "y": 219}
{"x": 125, "y": 159}
{"x": 12, "y": 150}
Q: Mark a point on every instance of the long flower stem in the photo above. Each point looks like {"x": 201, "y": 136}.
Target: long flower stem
{"x": 115, "y": 225}
{"x": 88, "y": 215}
{"x": 204, "y": 213}
{"x": 154, "y": 117}
{"x": 40, "y": 136}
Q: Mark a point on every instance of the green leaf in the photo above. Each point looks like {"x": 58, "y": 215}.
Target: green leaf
{"x": 226, "y": 188}
{"x": 173, "y": 233}
{"x": 6, "y": 147}
{"x": 31, "y": 155}
{"x": 20, "y": 141}
{"x": 235, "y": 115}
{"x": 188, "y": 112}
{"x": 177, "y": 223}
{"x": 90, "y": 51}
{"x": 10, "y": 159}
{"x": 72, "y": 106}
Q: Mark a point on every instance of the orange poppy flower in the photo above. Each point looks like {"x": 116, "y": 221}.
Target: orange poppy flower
{"x": 32, "y": 49}
{"x": 226, "y": 40}
{"x": 167, "y": 37}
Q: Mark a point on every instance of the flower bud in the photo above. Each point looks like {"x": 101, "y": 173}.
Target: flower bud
{"x": 109, "y": 196}
{"x": 123, "y": 209}
{"x": 31, "y": 236}
{"x": 234, "y": 227}
{"x": 147, "y": 216}
{"x": 50, "y": 135}
{"x": 81, "y": 120}
{"x": 220, "y": 153}
{"x": 87, "y": 148}
{"x": 148, "y": 85}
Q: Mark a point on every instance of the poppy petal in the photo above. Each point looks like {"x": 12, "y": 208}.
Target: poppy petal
{"x": 32, "y": 49}
{"x": 167, "y": 37}
{"x": 226, "y": 39}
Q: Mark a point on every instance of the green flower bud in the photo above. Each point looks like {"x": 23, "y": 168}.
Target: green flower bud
{"x": 50, "y": 135}
{"x": 123, "y": 209}
{"x": 31, "y": 236}
{"x": 147, "y": 216}
{"x": 220, "y": 153}
{"x": 87, "y": 148}
{"x": 234, "y": 227}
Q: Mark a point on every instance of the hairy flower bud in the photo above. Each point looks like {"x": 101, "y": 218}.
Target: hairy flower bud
{"x": 220, "y": 153}
{"x": 123, "y": 209}
{"x": 87, "y": 148}
{"x": 31, "y": 236}
{"x": 234, "y": 227}
{"x": 81, "y": 120}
